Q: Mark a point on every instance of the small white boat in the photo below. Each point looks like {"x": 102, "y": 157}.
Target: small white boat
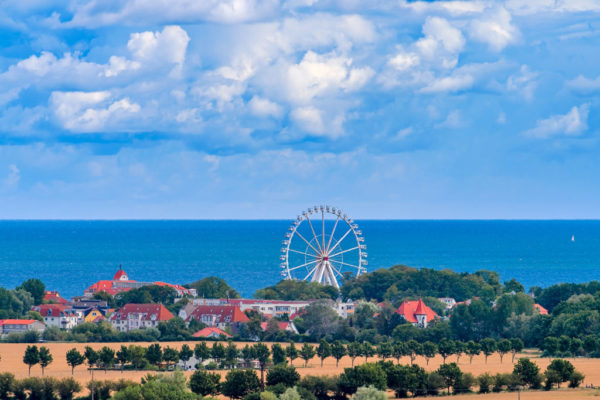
{"x": 573, "y": 238}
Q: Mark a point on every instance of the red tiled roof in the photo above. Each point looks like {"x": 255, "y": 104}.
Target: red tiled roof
{"x": 53, "y": 296}
{"x": 540, "y": 309}
{"x": 206, "y": 332}
{"x": 52, "y": 310}
{"x": 282, "y": 325}
{"x": 17, "y": 321}
{"x": 119, "y": 274}
{"x": 410, "y": 309}
{"x": 150, "y": 312}
{"x": 234, "y": 313}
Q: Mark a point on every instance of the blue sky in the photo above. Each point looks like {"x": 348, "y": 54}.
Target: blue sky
{"x": 259, "y": 109}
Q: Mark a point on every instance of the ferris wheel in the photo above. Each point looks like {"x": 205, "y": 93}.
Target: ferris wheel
{"x": 323, "y": 245}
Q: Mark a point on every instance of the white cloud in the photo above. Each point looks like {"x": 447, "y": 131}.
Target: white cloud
{"x": 570, "y": 124}
{"x": 449, "y": 84}
{"x": 453, "y": 120}
{"x": 584, "y": 85}
{"x": 309, "y": 119}
{"x": 404, "y": 61}
{"x": 521, "y": 7}
{"x": 13, "y": 177}
{"x": 116, "y": 65}
{"x": 89, "y": 111}
{"x": 495, "y": 29}
{"x": 264, "y": 107}
{"x": 523, "y": 82}
{"x": 157, "y": 47}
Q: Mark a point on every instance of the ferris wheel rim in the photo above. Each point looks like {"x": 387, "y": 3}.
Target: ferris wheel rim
{"x": 322, "y": 248}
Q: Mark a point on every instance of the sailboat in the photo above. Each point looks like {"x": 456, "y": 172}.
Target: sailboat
{"x": 573, "y": 238}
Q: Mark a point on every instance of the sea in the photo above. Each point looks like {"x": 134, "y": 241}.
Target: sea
{"x": 69, "y": 256}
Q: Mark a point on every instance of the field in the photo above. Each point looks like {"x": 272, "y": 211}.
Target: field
{"x": 12, "y": 355}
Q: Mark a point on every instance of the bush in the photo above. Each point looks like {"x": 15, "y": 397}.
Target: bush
{"x": 7, "y": 384}
{"x": 283, "y": 374}
{"x": 239, "y": 383}
{"x": 67, "y": 387}
{"x": 362, "y": 375}
{"x": 465, "y": 383}
{"x": 319, "y": 386}
{"x": 205, "y": 383}
{"x": 369, "y": 393}
{"x": 528, "y": 373}
{"x": 576, "y": 379}
{"x": 290, "y": 394}
{"x": 485, "y": 381}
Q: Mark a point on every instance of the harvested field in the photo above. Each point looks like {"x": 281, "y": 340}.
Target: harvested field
{"x": 12, "y": 356}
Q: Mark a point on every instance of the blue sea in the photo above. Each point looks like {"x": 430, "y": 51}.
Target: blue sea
{"x": 71, "y": 255}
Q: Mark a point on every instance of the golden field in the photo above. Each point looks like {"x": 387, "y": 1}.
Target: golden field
{"x": 12, "y": 356}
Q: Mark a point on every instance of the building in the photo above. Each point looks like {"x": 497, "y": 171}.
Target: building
{"x": 211, "y": 332}
{"x": 269, "y": 308}
{"x": 287, "y": 326}
{"x": 94, "y": 315}
{"x": 417, "y": 313}
{"x": 8, "y": 326}
{"x": 448, "y": 301}
{"x": 540, "y": 309}
{"x": 121, "y": 283}
{"x": 53, "y": 297}
{"x": 59, "y": 315}
{"x": 139, "y": 316}
{"x": 216, "y": 316}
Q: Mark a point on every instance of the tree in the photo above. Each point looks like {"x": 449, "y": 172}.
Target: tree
{"x": 7, "y": 385}
{"x": 291, "y": 352}
{"x": 67, "y": 387}
{"x": 282, "y": 374}
{"x": 413, "y": 349}
{"x": 185, "y": 354}
{"x": 450, "y": 373}
{"x": 248, "y": 354}
{"x": 562, "y": 369}
{"x": 338, "y": 350}
{"x": 307, "y": 352}
{"x": 385, "y": 350}
{"x": 154, "y": 354}
{"x": 323, "y": 351}
{"x": 36, "y": 288}
{"x": 504, "y": 346}
{"x": 362, "y": 375}
{"x": 459, "y": 350}
{"x": 137, "y": 356}
{"x": 31, "y": 357}
{"x": 231, "y": 354}
{"x": 262, "y": 354}
{"x": 238, "y": 383}
{"x": 528, "y": 373}
{"x": 170, "y": 356}
{"x": 354, "y": 350}
{"x": 488, "y": 347}
{"x": 91, "y": 356}
{"x": 45, "y": 358}
{"x": 217, "y": 352}
{"x": 201, "y": 351}
{"x": 369, "y": 393}
{"x": 320, "y": 319}
{"x": 472, "y": 349}
{"x": 123, "y": 356}
{"x": 74, "y": 359}
{"x": 517, "y": 346}
{"x": 106, "y": 356}
{"x": 213, "y": 288}
{"x": 278, "y": 354}
{"x": 429, "y": 351}
{"x": 205, "y": 383}
{"x": 367, "y": 350}
{"x": 446, "y": 348}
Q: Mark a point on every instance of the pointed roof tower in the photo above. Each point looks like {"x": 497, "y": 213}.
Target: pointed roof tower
{"x": 421, "y": 310}
{"x": 120, "y": 275}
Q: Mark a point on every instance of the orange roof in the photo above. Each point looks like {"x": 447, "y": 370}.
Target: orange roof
{"x": 225, "y": 314}
{"x": 17, "y": 321}
{"x": 410, "y": 310}
{"x": 52, "y": 310}
{"x": 206, "y": 332}
{"x": 54, "y": 297}
{"x": 150, "y": 312}
{"x": 281, "y": 324}
{"x": 120, "y": 274}
{"x": 540, "y": 309}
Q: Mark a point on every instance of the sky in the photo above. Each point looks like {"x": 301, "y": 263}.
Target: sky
{"x": 227, "y": 109}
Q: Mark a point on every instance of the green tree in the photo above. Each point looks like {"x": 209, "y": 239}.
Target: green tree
{"x": 262, "y": 354}
{"x": 239, "y": 383}
{"x": 31, "y": 357}
{"x": 282, "y": 374}
{"x": 338, "y": 350}
{"x": 472, "y": 349}
{"x": 369, "y": 393}
{"x": 248, "y": 354}
{"x": 74, "y": 359}
{"x": 446, "y": 348}
{"x": 517, "y": 346}
{"x": 450, "y": 373}
{"x": 323, "y": 351}
{"x": 185, "y": 354}
{"x": 367, "y": 350}
{"x": 91, "y": 356}
{"x": 67, "y": 387}
{"x": 307, "y": 352}
{"x": 154, "y": 354}
{"x": 217, "y": 352}
{"x": 291, "y": 352}
{"x": 528, "y": 373}
{"x": 231, "y": 354}
{"x": 7, "y": 385}
{"x": 137, "y": 356}
{"x": 213, "y": 288}
{"x": 278, "y": 352}
{"x": 201, "y": 351}
{"x": 562, "y": 369}
{"x": 488, "y": 347}
{"x": 106, "y": 356}
{"x": 362, "y": 375}
{"x": 413, "y": 348}
{"x": 36, "y": 288}
{"x": 123, "y": 356}
{"x": 354, "y": 350}
{"x": 385, "y": 350}
{"x": 430, "y": 349}
{"x": 170, "y": 356}
{"x": 45, "y": 358}
{"x": 205, "y": 383}
{"x": 504, "y": 346}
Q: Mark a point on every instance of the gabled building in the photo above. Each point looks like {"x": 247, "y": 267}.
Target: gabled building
{"x": 217, "y": 316}
{"x": 8, "y": 326}
{"x": 287, "y": 326}
{"x": 58, "y": 315}
{"x": 211, "y": 332}
{"x": 541, "y": 310}
{"x": 52, "y": 296}
{"x": 139, "y": 316}
{"x": 417, "y": 313}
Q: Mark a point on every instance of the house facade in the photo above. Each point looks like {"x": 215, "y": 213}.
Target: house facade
{"x": 216, "y": 316}
{"x": 139, "y": 316}
{"x": 59, "y": 315}
{"x": 8, "y": 326}
{"x": 417, "y": 313}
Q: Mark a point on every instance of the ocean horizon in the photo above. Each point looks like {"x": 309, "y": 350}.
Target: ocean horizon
{"x": 70, "y": 255}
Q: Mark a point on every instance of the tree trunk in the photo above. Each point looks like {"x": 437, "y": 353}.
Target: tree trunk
{"x": 30, "y": 370}
{"x": 72, "y": 371}
{"x": 262, "y": 377}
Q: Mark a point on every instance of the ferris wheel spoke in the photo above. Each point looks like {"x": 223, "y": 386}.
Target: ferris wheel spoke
{"x": 346, "y": 264}
{"x": 314, "y": 234}
{"x": 311, "y": 271}
{"x": 304, "y": 265}
{"x": 332, "y": 233}
{"x": 340, "y": 241}
{"x": 336, "y": 271}
{"x": 323, "y": 235}
{"x": 304, "y": 253}
{"x": 307, "y": 242}
{"x": 344, "y": 251}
